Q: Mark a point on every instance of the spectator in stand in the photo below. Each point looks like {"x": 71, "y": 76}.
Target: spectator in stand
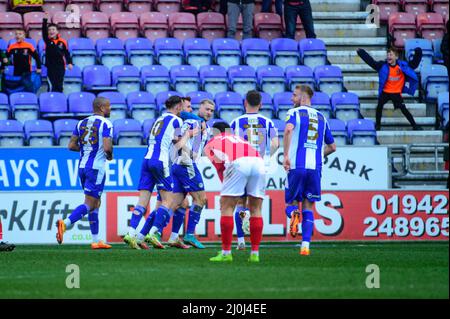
{"x": 223, "y": 6}
{"x": 235, "y": 8}
{"x": 267, "y": 6}
{"x": 393, "y": 74}
{"x": 293, "y": 9}
{"x": 201, "y": 5}
{"x": 444, "y": 49}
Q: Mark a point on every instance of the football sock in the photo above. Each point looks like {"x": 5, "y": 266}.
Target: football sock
{"x": 173, "y": 236}
{"x": 238, "y": 221}
{"x": 178, "y": 219}
{"x": 194, "y": 217}
{"x": 93, "y": 223}
{"x": 148, "y": 224}
{"x": 226, "y": 229}
{"x": 162, "y": 218}
{"x": 241, "y": 240}
{"x": 290, "y": 209}
{"x": 136, "y": 217}
{"x": 305, "y": 244}
{"x": 1, "y": 230}
{"x": 226, "y": 252}
{"x": 255, "y": 252}
{"x": 77, "y": 214}
{"x": 256, "y": 229}
{"x": 307, "y": 225}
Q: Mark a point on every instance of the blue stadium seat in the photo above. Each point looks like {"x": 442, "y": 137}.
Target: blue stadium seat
{"x": 52, "y": 104}
{"x": 280, "y": 125}
{"x": 282, "y": 103}
{"x": 339, "y": 131}
{"x": 256, "y": 52}
{"x": 197, "y": 52}
{"x": 141, "y": 106}
{"x": 24, "y": 106}
{"x": 285, "y": 52}
{"x": 96, "y": 77}
{"x": 434, "y": 81}
{"x": 110, "y": 52}
{"x": 443, "y": 107}
{"x": 73, "y": 80}
{"x": 312, "y": 52}
{"x": 155, "y": 79}
{"x": 127, "y": 132}
{"x": 197, "y": 97}
{"x": 321, "y": 102}
{"x": 345, "y": 106}
{"x": 227, "y": 52}
{"x": 438, "y": 58}
{"x": 126, "y": 78}
{"x": 3, "y": 45}
{"x": 267, "y": 108}
{"x": 211, "y": 122}
{"x": 271, "y": 79}
{"x": 168, "y": 52}
{"x": 184, "y": 78}
{"x": 11, "y": 133}
{"x": 229, "y": 105}
{"x": 361, "y": 132}
{"x": 38, "y": 133}
{"x": 4, "y": 107}
{"x": 81, "y": 103}
{"x": 299, "y": 74}
{"x": 427, "y": 51}
{"x": 82, "y": 51}
{"x": 146, "y": 128}
{"x": 161, "y": 100}
{"x": 139, "y": 52}
{"x": 63, "y": 130}
{"x": 242, "y": 78}
{"x": 118, "y": 104}
{"x": 329, "y": 79}
{"x": 213, "y": 79}
{"x": 40, "y": 49}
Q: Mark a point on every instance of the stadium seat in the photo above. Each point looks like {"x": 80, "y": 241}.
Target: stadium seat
{"x": 321, "y": 102}
{"x": 268, "y": 26}
{"x": 339, "y": 131}
{"x": 211, "y": 25}
{"x": 441, "y": 7}
{"x": 184, "y": 78}
{"x": 126, "y": 78}
{"x": 63, "y": 130}
{"x": 168, "y": 52}
{"x": 239, "y": 28}
{"x": 402, "y": 26}
{"x": 11, "y": 133}
{"x": 345, "y": 106}
{"x": 386, "y": 8}
{"x": 82, "y": 51}
{"x": 443, "y": 108}
{"x": 329, "y": 79}
{"x": 434, "y": 81}
{"x": 73, "y": 81}
{"x": 266, "y": 105}
{"x": 427, "y": 51}
{"x": 161, "y": 98}
{"x": 213, "y": 79}
{"x": 96, "y": 77}
{"x": 430, "y": 25}
{"x": 67, "y": 30}
{"x": 227, "y": 52}
{"x": 299, "y": 29}
{"x": 83, "y": 6}
{"x": 229, "y": 105}
{"x": 124, "y": 25}
{"x": 438, "y": 58}
{"x": 271, "y": 79}
{"x": 300, "y": 74}
{"x": 95, "y": 25}
{"x": 24, "y": 106}
{"x": 32, "y": 22}
{"x": 4, "y": 106}
{"x": 153, "y": 25}
{"x": 141, "y": 105}
{"x": 284, "y": 52}
{"x": 110, "y": 52}
{"x": 242, "y": 78}
{"x": 256, "y": 52}
{"x": 52, "y": 104}
{"x": 197, "y": 97}
{"x": 312, "y": 52}
{"x": 361, "y": 132}
{"x": 53, "y": 6}
{"x": 3, "y": 45}
{"x": 109, "y": 6}
{"x": 280, "y": 125}
{"x": 197, "y": 52}
{"x": 9, "y": 22}
{"x": 118, "y": 104}
{"x": 127, "y": 132}
{"x": 282, "y": 103}
{"x": 81, "y": 103}
{"x": 155, "y": 79}
{"x": 414, "y": 6}
{"x": 139, "y": 6}
{"x": 211, "y": 122}
{"x": 38, "y": 133}
{"x": 146, "y": 128}
{"x": 167, "y": 6}
{"x": 139, "y": 52}
{"x": 182, "y": 25}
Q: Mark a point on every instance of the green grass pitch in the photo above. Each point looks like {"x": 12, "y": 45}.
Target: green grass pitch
{"x": 334, "y": 270}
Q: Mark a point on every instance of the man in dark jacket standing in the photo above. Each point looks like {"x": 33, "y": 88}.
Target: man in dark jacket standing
{"x": 235, "y": 8}
{"x": 393, "y": 75}
{"x": 293, "y": 9}
{"x": 56, "y": 56}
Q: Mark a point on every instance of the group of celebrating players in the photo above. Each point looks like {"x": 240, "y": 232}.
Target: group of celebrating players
{"x": 240, "y": 153}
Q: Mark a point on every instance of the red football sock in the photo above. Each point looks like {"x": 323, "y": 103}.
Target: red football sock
{"x": 256, "y": 229}
{"x": 1, "y": 230}
{"x": 226, "y": 228}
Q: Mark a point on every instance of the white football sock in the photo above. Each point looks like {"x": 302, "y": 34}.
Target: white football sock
{"x": 241, "y": 240}
{"x": 305, "y": 244}
{"x": 255, "y": 252}
{"x": 173, "y": 236}
{"x": 226, "y": 252}
{"x": 95, "y": 238}
{"x": 67, "y": 222}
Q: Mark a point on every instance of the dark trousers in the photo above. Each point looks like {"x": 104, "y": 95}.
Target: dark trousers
{"x": 305, "y": 12}
{"x": 267, "y": 6}
{"x": 223, "y": 6}
{"x": 56, "y": 78}
{"x": 397, "y": 100}
{"x": 200, "y": 4}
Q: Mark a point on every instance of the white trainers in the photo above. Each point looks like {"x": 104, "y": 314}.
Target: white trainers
{"x": 245, "y": 217}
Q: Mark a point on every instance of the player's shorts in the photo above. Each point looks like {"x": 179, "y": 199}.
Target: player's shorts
{"x": 245, "y": 175}
{"x": 303, "y": 184}
{"x": 92, "y": 181}
{"x": 187, "y": 179}
{"x": 155, "y": 173}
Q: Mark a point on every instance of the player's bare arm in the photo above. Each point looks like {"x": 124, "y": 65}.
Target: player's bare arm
{"x": 73, "y": 144}
{"x": 108, "y": 148}
{"x": 329, "y": 149}
{"x": 274, "y": 145}
{"x": 286, "y": 144}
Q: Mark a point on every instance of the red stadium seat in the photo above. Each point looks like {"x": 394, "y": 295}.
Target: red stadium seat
{"x": 414, "y": 6}
{"x": 109, "y": 6}
{"x": 258, "y": 6}
{"x": 268, "y": 26}
{"x": 167, "y": 6}
{"x": 182, "y": 25}
{"x": 211, "y": 25}
{"x": 402, "y": 26}
{"x": 52, "y": 6}
{"x": 239, "y": 27}
{"x": 441, "y": 7}
{"x": 9, "y": 21}
{"x": 3, "y": 5}
{"x": 69, "y": 26}
{"x": 387, "y": 7}
{"x": 154, "y": 25}
{"x": 124, "y": 25}
{"x": 430, "y": 25}
{"x": 32, "y": 22}
{"x": 95, "y": 25}
{"x": 83, "y": 5}
{"x": 139, "y": 6}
